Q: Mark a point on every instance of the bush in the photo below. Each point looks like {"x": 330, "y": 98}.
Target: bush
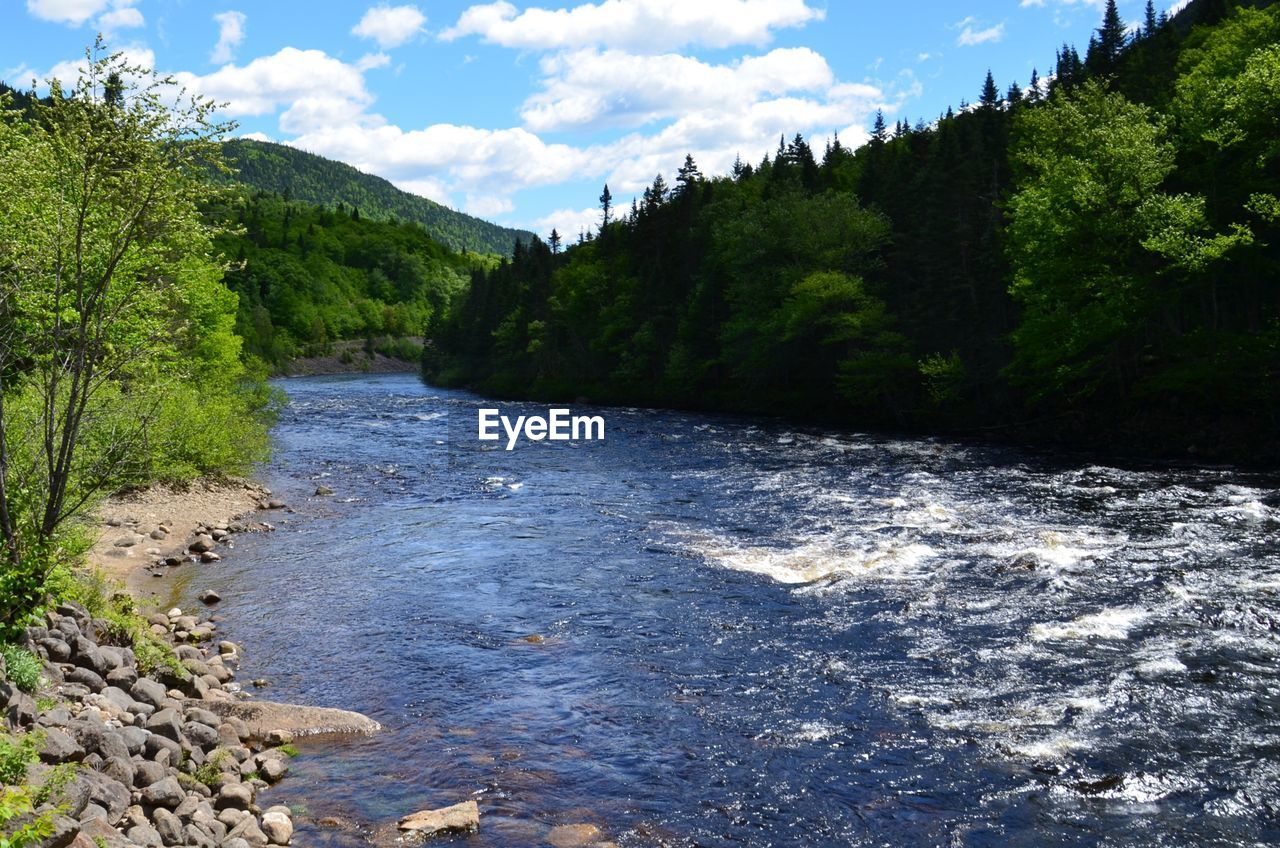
{"x": 22, "y": 667}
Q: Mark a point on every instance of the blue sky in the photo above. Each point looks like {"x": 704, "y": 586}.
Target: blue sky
{"x": 519, "y": 111}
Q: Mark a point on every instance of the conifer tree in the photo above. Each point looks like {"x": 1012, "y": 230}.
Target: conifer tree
{"x": 990, "y": 94}
{"x": 606, "y": 207}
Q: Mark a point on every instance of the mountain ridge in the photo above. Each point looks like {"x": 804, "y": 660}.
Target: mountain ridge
{"x": 302, "y": 175}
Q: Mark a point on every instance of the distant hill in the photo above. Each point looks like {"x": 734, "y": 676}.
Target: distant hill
{"x": 305, "y": 176}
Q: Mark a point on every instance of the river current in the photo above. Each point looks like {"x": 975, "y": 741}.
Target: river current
{"x": 708, "y": 630}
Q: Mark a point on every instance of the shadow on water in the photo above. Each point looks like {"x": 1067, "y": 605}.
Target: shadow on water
{"x": 711, "y": 631}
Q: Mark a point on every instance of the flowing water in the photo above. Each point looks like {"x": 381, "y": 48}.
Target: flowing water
{"x": 721, "y": 631}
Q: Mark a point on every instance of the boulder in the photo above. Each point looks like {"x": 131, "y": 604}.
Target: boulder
{"x": 277, "y": 826}
{"x": 166, "y": 723}
{"x": 209, "y": 596}
{"x": 166, "y": 792}
{"x": 202, "y": 544}
{"x": 60, "y": 747}
{"x": 148, "y": 692}
{"x": 459, "y": 818}
{"x": 573, "y": 835}
{"x": 168, "y": 826}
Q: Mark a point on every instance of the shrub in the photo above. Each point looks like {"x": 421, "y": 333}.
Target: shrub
{"x": 22, "y": 667}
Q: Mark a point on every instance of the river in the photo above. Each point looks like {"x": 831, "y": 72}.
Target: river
{"x": 708, "y": 630}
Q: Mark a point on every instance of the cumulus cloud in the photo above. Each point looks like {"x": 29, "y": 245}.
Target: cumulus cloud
{"x": 971, "y": 36}
{"x": 122, "y": 17}
{"x": 567, "y": 222}
{"x": 72, "y": 12}
{"x": 230, "y": 34}
{"x": 650, "y": 25}
{"x": 314, "y": 88}
{"x": 369, "y": 61}
{"x": 390, "y": 26}
{"x": 590, "y": 88}
{"x": 1097, "y": 4}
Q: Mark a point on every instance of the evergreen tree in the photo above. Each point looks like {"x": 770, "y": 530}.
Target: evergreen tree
{"x": 554, "y": 241}
{"x": 879, "y": 132}
{"x": 606, "y": 207}
{"x": 1150, "y": 22}
{"x": 990, "y": 98}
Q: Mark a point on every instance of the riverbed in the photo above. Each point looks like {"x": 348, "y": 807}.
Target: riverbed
{"x": 709, "y": 630}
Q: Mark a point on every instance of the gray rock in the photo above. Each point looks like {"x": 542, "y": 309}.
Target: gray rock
{"x": 120, "y": 699}
{"x": 321, "y": 491}
{"x": 209, "y": 596}
{"x": 121, "y": 769}
{"x": 22, "y": 710}
{"x": 56, "y": 649}
{"x": 123, "y": 677}
{"x": 148, "y": 692}
{"x": 273, "y": 770}
{"x": 88, "y": 678}
{"x": 145, "y": 835}
{"x": 202, "y": 544}
{"x": 159, "y": 535}
{"x": 127, "y": 541}
{"x": 275, "y": 503}
{"x": 162, "y": 750}
{"x": 209, "y": 556}
{"x": 166, "y": 723}
{"x": 134, "y": 739}
{"x": 147, "y": 772}
{"x": 248, "y": 831}
{"x": 109, "y": 793}
{"x": 237, "y": 795}
{"x": 201, "y": 735}
{"x": 277, "y": 827}
{"x": 166, "y": 792}
{"x": 60, "y": 747}
{"x": 200, "y": 838}
{"x": 169, "y": 827}
{"x": 65, "y": 830}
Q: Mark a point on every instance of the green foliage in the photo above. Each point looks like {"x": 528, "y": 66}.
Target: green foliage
{"x": 308, "y": 277}
{"x": 210, "y": 771}
{"x": 106, "y": 600}
{"x": 303, "y": 176}
{"x": 22, "y": 667}
{"x": 288, "y": 750}
{"x": 16, "y": 753}
{"x": 1094, "y": 258}
{"x": 18, "y": 827}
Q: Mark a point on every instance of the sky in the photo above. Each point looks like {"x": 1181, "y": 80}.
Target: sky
{"x": 518, "y": 112}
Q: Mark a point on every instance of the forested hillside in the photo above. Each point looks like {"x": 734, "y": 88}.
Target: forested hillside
{"x": 1090, "y": 257}
{"x": 299, "y": 175}
{"x": 308, "y": 276}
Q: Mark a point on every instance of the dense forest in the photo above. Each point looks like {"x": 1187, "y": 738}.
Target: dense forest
{"x": 298, "y": 175}
{"x": 1092, "y": 257}
{"x": 308, "y": 276}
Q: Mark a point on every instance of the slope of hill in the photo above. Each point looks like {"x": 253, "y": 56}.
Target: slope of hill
{"x": 299, "y": 175}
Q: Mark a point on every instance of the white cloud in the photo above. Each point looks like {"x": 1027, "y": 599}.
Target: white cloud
{"x": 567, "y": 222}
{"x": 390, "y": 26}
{"x": 72, "y": 12}
{"x": 369, "y": 61}
{"x": 121, "y": 17}
{"x": 587, "y": 88}
{"x": 487, "y": 205}
{"x": 971, "y": 36}
{"x": 230, "y": 34}
{"x": 1097, "y": 4}
{"x": 651, "y": 25}
{"x": 427, "y": 187}
{"x": 257, "y": 136}
{"x": 69, "y": 71}
{"x": 923, "y": 57}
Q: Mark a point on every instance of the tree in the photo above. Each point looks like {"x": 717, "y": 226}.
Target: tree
{"x": 606, "y": 207}
{"x": 990, "y": 98}
{"x": 879, "y": 132}
{"x": 1150, "y": 23}
{"x": 688, "y": 176}
{"x": 1104, "y": 54}
{"x": 554, "y": 241}
{"x": 100, "y": 238}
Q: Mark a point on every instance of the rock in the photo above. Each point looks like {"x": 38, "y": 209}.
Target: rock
{"x": 201, "y": 735}
{"x": 248, "y": 831}
{"x": 573, "y": 835}
{"x": 209, "y": 556}
{"x": 321, "y": 491}
{"x": 65, "y": 830}
{"x": 127, "y": 541}
{"x": 278, "y": 737}
{"x": 87, "y": 678}
{"x": 210, "y": 597}
{"x": 237, "y": 795}
{"x": 147, "y": 772}
{"x": 168, "y": 826}
{"x": 260, "y": 718}
{"x": 260, "y": 683}
{"x": 166, "y": 723}
{"x": 22, "y": 710}
{"x": 148, "y": 692}
{"x": 110, "y": 794}
{"x": 120, "y": 699}
{"x": 121, "y": 769}
{"x": 123, "y": 677}
{"x": 145, "y": 835}
{"x": 159, "y": 534}
{"x": 277, "y": 827}
{"x": 273, "y": 770}
{"x": 275, "y": 503}
{"x": 226, "y": 648}
{"x": 134, "y": 739}
{"x": 202, "y": 544}
{"x": 59, "y": 747}
{"x": 166, "y": 792}
{"x": 459, "y": 818}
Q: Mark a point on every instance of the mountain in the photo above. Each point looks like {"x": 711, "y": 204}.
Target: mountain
{"x": 299, "y": 175}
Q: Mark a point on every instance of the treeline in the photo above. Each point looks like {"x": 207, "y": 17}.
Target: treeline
{"x": 1092, "y": 257}
{"x": 298, "y": 175}
{"x": 308, "y": 276}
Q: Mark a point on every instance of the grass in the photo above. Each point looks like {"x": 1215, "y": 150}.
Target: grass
{"x": 22, "y": 667}
{"x": 104, "y": 599}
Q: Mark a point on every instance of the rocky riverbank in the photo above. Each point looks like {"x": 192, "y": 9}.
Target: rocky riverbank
{"x": 165, "y": 758}
{"x": 167, "y": 751}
